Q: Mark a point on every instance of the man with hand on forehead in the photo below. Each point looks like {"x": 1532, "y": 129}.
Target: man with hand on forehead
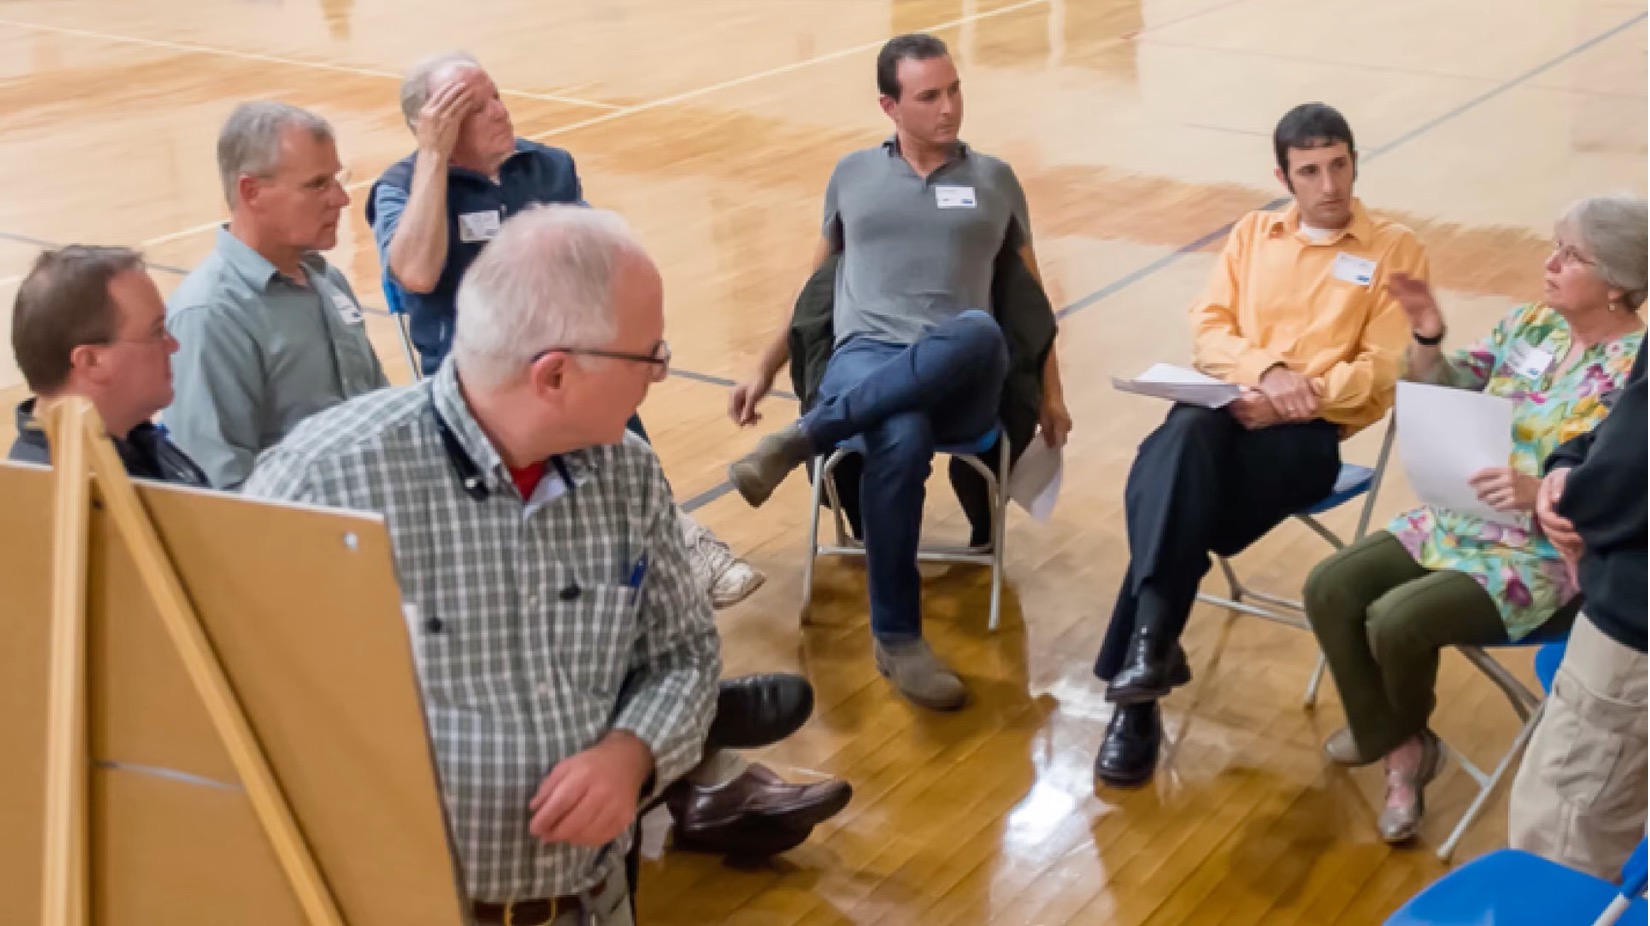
{"x": 433, "y": 213}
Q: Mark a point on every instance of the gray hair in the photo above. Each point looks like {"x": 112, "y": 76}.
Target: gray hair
{"x": 1612, "y": 230}
{"x": 415, "y": 87}
{"x": 250, "y": 141}
{"x": 546, "y": 281}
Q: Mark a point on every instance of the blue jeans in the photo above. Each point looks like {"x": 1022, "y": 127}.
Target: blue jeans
{"x": 904, "y": 401}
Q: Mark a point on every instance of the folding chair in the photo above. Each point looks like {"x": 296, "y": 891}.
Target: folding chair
{"x": 1526, "y": 703}
{"x": 392, "y": 298}
{"x": 1352, "y": 482}
{"x": 824, "y": 488}
{"x": 1513, "y": 888}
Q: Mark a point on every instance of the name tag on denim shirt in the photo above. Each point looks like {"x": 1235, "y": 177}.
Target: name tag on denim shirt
{"x": 478, "y": 226}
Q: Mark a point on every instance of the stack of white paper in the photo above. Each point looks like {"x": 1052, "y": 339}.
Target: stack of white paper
{"x": 1178, "y": 384}
{"x": 1445, "y": 436}
{"x": 1035, "y": 481}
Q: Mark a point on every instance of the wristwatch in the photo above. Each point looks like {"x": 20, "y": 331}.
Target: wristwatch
{"x": 1425, "y": 341}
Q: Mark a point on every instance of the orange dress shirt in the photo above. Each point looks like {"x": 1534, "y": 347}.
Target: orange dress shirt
{"x": 1319, "y": 309}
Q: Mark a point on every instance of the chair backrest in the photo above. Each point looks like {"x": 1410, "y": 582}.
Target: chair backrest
{"x": 1630, "y": 891}
{"x": 1633, "y": 874}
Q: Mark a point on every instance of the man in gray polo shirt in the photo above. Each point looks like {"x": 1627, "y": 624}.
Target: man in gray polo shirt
{"x": 919, "y": 361}
{"x": 270, "y": 332}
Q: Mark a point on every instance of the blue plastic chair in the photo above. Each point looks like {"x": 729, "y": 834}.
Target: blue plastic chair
{"x": 1515, "y": 888}
{"x": 824, "y": 488}
{"x": 1352, "y": 483}
{"x": 392, "y": 299}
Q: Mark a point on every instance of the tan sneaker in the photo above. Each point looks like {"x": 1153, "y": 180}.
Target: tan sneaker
{"x": 920, "y": 676}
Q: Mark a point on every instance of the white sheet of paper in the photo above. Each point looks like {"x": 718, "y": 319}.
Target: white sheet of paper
{"x": 1178, "y": 384}
{"x": 1035, "y": 482}
{"x": 1445, "y": 436}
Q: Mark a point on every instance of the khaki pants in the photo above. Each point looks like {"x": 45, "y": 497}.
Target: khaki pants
{"x": 1579, "y": 797}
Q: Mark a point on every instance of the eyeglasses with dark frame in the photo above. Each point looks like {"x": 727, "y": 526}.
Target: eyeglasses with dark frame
{"x": 658, "y": 358}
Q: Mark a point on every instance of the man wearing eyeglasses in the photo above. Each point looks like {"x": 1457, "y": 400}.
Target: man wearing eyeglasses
{"x": 434, "y": 211}
{"x": 88, "y": 321}
{"x": 568, "y": 662}
{"x": 270, "y": 333}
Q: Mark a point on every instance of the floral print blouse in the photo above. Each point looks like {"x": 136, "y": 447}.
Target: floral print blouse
{"x": 1520, "y": 359}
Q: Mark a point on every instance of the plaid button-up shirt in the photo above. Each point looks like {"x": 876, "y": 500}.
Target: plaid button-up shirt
{"x": 540, "y": 625}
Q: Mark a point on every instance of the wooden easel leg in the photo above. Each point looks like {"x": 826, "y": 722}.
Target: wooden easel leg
{"x": 78, "y": 444}
{"x": 65, "y": 899}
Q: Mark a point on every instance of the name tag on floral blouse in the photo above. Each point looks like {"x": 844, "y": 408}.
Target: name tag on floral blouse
{"x": 1529, "y": 361}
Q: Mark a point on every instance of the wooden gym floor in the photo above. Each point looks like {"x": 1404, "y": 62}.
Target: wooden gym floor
{"x": 1140, "y": 130}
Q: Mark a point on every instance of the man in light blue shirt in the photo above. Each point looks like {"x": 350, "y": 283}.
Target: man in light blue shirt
{"x": 272, "y": 333}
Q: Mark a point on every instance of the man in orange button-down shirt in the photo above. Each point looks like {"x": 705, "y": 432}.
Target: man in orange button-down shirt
{"x": 1297, "y": 312}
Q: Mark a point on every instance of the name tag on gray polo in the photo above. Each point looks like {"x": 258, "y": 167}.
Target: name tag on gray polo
{"x": 954, "y": 197}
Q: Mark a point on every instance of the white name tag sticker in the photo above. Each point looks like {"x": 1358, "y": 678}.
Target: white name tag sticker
{"x": 1356, "y": 270}
{"x": 478, "y": 226}
{"x": 955, "y": 197}
{"x": 1526, "y": 360}
{"x": 347, "y": 310}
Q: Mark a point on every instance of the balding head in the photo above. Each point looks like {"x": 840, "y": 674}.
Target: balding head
{"x": 548, "y": 280}
{"x": 426, "y": 75}
{"x": 560, "y": 332}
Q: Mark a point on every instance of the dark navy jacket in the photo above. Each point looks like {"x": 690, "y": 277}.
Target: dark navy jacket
{"x": 534, "y": 174}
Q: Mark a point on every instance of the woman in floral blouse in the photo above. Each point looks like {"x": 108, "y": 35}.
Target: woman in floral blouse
{"x": 1383, "y": 608}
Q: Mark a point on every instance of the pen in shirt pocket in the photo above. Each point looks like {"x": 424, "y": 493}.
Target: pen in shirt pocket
{"x": 638, "y": 575}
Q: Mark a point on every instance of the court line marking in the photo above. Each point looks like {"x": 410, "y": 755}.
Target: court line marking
{"x": 623, "y": 111}
{"x": 1110, "y": 289}
{"x": 199, "y": 49}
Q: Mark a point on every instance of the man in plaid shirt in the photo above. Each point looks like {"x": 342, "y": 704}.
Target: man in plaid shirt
{"x": 569, "y": 662}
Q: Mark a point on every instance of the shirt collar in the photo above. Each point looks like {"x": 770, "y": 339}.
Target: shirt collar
{"x": 30, "y": 431}
{"x": 255, "y": 268}
{"x": 1360, "y": 229}
{"x": 958, "y": 151}
{"x": 449, "y": 402}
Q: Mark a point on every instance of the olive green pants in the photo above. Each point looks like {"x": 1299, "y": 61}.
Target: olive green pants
{"x": 1382, "y": 619}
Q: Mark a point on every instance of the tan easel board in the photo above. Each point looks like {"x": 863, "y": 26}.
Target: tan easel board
{"x": 302, "y": 611}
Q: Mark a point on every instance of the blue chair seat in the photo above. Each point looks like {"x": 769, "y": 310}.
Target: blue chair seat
{"x": 1547, "y": 659}
{"x": 1351, "y": 482}
{"x": 1512, "y": 888}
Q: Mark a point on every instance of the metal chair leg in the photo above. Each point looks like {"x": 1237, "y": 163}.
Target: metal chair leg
{"x": 999, "y": 532}
{"x": 1487, "y": 789}
{"x": 1311, "y": 699}
{"x": 817, "y": 464}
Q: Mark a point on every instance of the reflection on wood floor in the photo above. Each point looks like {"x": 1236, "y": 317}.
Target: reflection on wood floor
{"x": 1140, "y": 129}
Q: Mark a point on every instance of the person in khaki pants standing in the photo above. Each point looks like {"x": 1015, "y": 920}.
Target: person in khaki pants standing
{"x": 1579, "y": 798}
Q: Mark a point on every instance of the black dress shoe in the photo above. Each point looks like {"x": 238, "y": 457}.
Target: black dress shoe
{"x": 756, "y": 814}
{"x": 1128, "y": 754}
{"x": 1150, "y": 671}
{"x": 753, "y": 711}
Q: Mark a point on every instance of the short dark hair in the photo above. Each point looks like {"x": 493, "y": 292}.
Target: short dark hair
{"x": 1310, "y": 125}
{"x": 62, "y": 304}
{"x": 912, "y": 46}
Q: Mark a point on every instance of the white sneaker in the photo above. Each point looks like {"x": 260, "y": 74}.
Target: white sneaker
{"x": 726, "y": 578}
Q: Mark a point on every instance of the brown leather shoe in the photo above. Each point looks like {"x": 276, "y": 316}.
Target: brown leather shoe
{"x": 757, "y": 813}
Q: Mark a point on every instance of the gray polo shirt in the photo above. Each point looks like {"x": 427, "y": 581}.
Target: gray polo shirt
{"x": 917, "y": 251}
{"x": 258, "y": 353}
